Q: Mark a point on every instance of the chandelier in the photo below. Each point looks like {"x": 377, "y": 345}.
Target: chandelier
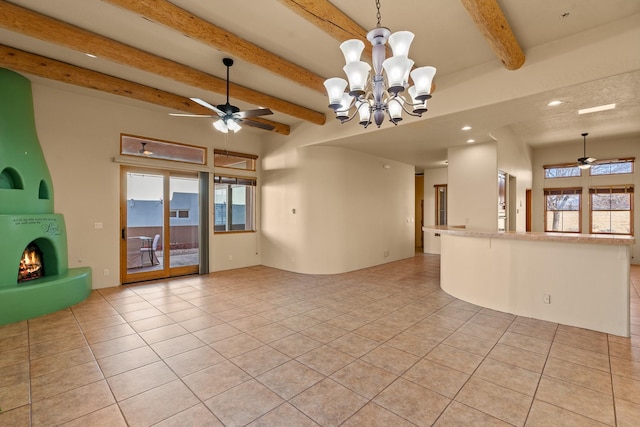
{"x": 373, "y": 98}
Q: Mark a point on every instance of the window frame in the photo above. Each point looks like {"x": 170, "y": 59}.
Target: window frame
{"x": 613, "y": 161}
{"x": 229, "y": 180}
{"x": 252, "y": 158}
{"x": 612, "y": 189}
{"x": 560, "y": 191}
{"x": 561, "y": 166}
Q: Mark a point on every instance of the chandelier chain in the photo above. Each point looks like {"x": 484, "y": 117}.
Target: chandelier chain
{"x": 378, "y": 14}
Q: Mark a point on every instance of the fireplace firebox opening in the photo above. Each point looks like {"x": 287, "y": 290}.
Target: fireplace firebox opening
{"x": 31, "y": 264}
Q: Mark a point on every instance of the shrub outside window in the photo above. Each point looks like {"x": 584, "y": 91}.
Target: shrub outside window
{"x": 562, "y": 210}
{"x": 611, "y": 210}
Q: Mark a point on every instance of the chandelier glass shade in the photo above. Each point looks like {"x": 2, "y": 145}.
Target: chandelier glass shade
{"x": 374, "y": 95}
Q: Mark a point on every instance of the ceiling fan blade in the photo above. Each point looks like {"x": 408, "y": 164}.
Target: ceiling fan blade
{"x": 258, "y": 125}
{"x": 253, "y": 113}
{"x": 207, "y": 105}
{"x": 192, "y": 115}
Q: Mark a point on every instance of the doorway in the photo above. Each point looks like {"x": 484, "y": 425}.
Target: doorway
{"x": 158, "y": 239}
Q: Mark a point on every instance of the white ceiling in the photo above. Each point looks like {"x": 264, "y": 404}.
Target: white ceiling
{"x": 446, "y": 38}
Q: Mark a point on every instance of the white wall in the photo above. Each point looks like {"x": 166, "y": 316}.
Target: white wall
{"x": 514, "y": 158}
{"x": 350, "y": 211}
{"x": 568, "y": 153}
{"x": 432, "y": 177}
{"x": 79, "y": 131}
{"x": 473, "y": 186}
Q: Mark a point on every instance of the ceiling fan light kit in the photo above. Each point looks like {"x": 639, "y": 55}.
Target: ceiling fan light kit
{"x": 229, "y": 116}
{"x": 379, "y": 95}
{"x": 585, "y": 162}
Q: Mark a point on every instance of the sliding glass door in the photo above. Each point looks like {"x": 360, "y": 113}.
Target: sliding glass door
{"x": 158, "y": 239}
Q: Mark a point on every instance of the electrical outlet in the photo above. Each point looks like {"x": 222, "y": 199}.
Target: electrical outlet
{"x": 106, "y": 272}
{"x": 546, "y": 299}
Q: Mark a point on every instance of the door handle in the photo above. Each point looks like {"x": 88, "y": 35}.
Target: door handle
{"x": 123, "y": 234}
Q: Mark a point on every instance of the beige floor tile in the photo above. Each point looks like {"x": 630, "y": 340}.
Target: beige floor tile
{"x": 325, "y": 359}
{"x": 495, "y": 400}
{"x": 625, "y": 368}
{"x": 517, "y": 357}
{"x": 189, "y": 314}
{"x": 58, "y": 382}
{"x": 249, "y": 323}
{"x": 328, "y": 403}
{"x": 580, "y": 356}
{"x": 593, "y": 379}
{"x": 106, "y": 334}
{"x": 60, "y": 361}
{"x": 373, "y": 415}
{"x": 627, "y": 413}
{"x": 543, "y": 414}
{"x": 377, "y": 332}
{"x": 525, "y": 342}
{"x": 594, "y": 405}
{"x": 626, "y": 389}
{"x": 72, "y": 404}
{"x": 194, "y": 360}
{"x": 109, "y": 416}
{"x": 457, "y": 313}
{"x": 17, "y": 417}
{"x": 415, "y": 344}
{"x": 624, "y": 351}
{"x": 243, "y": 404}
{"x": 481, "y": 331}
{"x": 177, "y": 345}
{"x": 295, "y": 345}
{"x": 215, "y": 379}
{"x": 270, "y": 333}
{"x": 455, "y": 358}
{"x": 437, "y": 377}
{"x": 50, "y": 348}
{"x": 284, "y": 415}
{"x": 391, "y": 359}
{"x": 236, "y": 345}
{"x": 412, "y": 402}
{"x": 195, "y": 416}
{"x": 596, "y": 343}
{"x": 13, "y": 356}
{"x": 508, "y": 376}
{"x": 117, "y": 345}
{"x": 101, "y": 322}
{"x": 149, "y": 323}
{"x": 14, "y": 395}
{"x": 290, "y": 379}
{"x": 125, "y": 361}
{"x": 216, "y": 333}
{"x": 538, "y": 331}
{"x": 499, "y": 321}
{"x": 353, "y": 344}
{"x": 139, "y": 380}
{"x": 260, "y": 360}
{"x": 347, "y": 322}
{"x": 457, "y": 415}
{"x": 162, "y": 333}
{"x": 469, "y": 343}
{"x": 158, "y": 404}
{"x": 13, "y": 329}
{"x": 365, "y": 379}
{"x": 323, "y": 332}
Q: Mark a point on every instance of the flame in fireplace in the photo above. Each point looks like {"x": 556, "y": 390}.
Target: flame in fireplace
{"x": 31, "y": 264}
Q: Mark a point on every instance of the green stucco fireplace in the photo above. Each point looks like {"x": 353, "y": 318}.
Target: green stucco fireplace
{"x": 34, "y": 275}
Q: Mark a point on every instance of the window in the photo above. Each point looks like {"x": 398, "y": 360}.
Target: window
{"x": 612, "y": 210}
{"x": 131, "y": 145}
{"x": 561, "y": 171}
{"x": 612, "y": 167}
{"x": 441, "y": 204}
{"x": 179, "y": 213}
{"x": 229, "y": 159}
{"x": 562, "y": 210}
{"x": 234, "y": 203}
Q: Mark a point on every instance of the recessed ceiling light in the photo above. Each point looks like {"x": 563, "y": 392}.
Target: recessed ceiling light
{"x": 597, "y": 109}
{"x": 466, "y": 127}
{"x": 90, "y": 55}
{"x": 470, "y": 141}
{"x": 554, "y": 103}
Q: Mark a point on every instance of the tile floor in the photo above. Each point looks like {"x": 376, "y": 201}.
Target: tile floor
{"x": 257, "y": 346}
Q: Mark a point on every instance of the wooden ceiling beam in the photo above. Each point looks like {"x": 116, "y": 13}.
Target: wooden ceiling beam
{"x": 493, "y": 25}
{"x": 172, "y": 16}
{"x": 33, "y": 24}
{"x": 21, "y": 61}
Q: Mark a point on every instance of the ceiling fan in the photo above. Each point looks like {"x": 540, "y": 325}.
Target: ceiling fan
{"x": 585, "y": 162}
{"x": 229, "y": 116}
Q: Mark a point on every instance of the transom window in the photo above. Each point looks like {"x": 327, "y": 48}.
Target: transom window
{"x": 562, "y": 210}
{"x": 231, "y": 160}
{"x": 611, "y": 210}
{"x": 561, "y": 171}
{"x": 612, "y": 167}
